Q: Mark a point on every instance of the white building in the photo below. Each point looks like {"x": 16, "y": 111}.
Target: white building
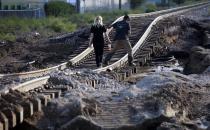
{"x": 81, "y": 5}
{"x": 101, "y": 5}
{"x": 22, "y": 4}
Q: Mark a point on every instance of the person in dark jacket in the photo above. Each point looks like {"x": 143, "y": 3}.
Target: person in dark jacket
{"x": 98, "y": 32}
{"x": 121, "y": 39}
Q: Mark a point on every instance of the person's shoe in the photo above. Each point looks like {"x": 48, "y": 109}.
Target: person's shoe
{"x": 100, "y": 65}
{"x": 105, "y": 63}
{"x": 69, "y": 64}
{"x": 132, "y": 64}
{"x": 109, "y": 69}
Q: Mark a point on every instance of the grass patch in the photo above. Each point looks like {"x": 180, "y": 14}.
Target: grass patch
{"x": 13, "y": 27}
{"x": 7, "y": 37}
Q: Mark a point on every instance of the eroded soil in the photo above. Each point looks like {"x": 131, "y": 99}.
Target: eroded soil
{"x": 35, "y": 52}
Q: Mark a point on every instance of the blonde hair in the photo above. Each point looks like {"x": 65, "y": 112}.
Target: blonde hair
{"x": 98, "y": 21}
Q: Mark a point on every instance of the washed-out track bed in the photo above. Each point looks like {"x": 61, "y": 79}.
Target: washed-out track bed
{"x": 22, "y": 101}
{"x": 25, "y": 56}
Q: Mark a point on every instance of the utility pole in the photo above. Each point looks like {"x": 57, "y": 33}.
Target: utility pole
{"x": 84, "y": 6}
{"x": 0, "y": 4}
{"x": 120, "y": 4}
{"x": 77, "y": 6}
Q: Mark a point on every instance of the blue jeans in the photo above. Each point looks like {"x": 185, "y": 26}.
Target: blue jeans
{"x": 118, "y": 44}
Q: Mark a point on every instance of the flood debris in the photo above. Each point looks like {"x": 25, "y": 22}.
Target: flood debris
{"x": 159, "y": 100}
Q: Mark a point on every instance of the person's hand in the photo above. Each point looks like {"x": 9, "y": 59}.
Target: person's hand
{"x": 109, "y": 46}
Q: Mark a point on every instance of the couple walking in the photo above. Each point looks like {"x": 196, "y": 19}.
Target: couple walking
{"x": 121, "y": 39}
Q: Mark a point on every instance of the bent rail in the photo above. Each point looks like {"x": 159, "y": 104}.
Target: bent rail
{"x": 25, "y": 87}
{"x": 86, "y": 52}
{"x": 29, "y": 85}
{"x": 28, "y": 104}
{"x": 36, "y": 73}
{"x": 119, "y": 63}
{"x": 124, "y": 59}
{"x": 89, "y": 50}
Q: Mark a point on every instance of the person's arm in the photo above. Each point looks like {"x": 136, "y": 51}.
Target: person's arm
{"x": 91, "y": 39}
{"x": 91, "y": 36}
{"x": 109, "y": 29}
{"x": 109, "y": 41}
{"x": 129, "y": 29}
{"x": 112, "y": 26}
{"x": 107, "y": 37}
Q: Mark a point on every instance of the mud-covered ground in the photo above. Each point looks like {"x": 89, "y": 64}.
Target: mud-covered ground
{"x": 33, "y": 52}
{"x": 160, "y": 99}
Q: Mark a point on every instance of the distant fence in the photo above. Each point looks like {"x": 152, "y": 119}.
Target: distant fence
{"x": 33, "y": 13}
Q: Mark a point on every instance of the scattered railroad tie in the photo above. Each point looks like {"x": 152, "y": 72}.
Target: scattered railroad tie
{"x": 16, "y": 105}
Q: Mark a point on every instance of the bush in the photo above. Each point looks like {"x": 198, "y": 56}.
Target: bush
{"x": 87, "y": 19}
{"x": 110, "y": 16}
{"x": 138, "y": 10}
{"x": 82, "y": 19}
{"x": 13, "y": 27}
{"x": 59, "y": 24}
{"x": 59, "y": 8}
{"x": 136, "y": 3}
{"x": 150, "y": 8}
{"x": 7, "y": 37}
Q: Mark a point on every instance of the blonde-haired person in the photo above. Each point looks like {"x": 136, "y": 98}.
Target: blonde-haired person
{"x": 98, "y": 32}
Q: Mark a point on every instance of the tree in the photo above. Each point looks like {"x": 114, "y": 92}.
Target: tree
{"x": 136, "y": 3}
{"x": 150, "y": 8}
{"x": 59, "y": 8}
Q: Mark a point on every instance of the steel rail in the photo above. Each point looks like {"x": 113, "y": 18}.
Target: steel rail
{"x": 90, "y": 49}
{"x": 86, "y": 52}
{"x": 124, "y": 59}
{"x": 40, "y": 81}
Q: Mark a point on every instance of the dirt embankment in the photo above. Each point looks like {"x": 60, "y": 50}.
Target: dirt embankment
{"x": 188, "y": 41}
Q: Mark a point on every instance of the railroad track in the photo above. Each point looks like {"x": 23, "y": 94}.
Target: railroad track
{"x": 78, "y": 42}
{"x": 23, "y": 101}
{"x": 83, "y": 52}
{"x": 138, "y": 27}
